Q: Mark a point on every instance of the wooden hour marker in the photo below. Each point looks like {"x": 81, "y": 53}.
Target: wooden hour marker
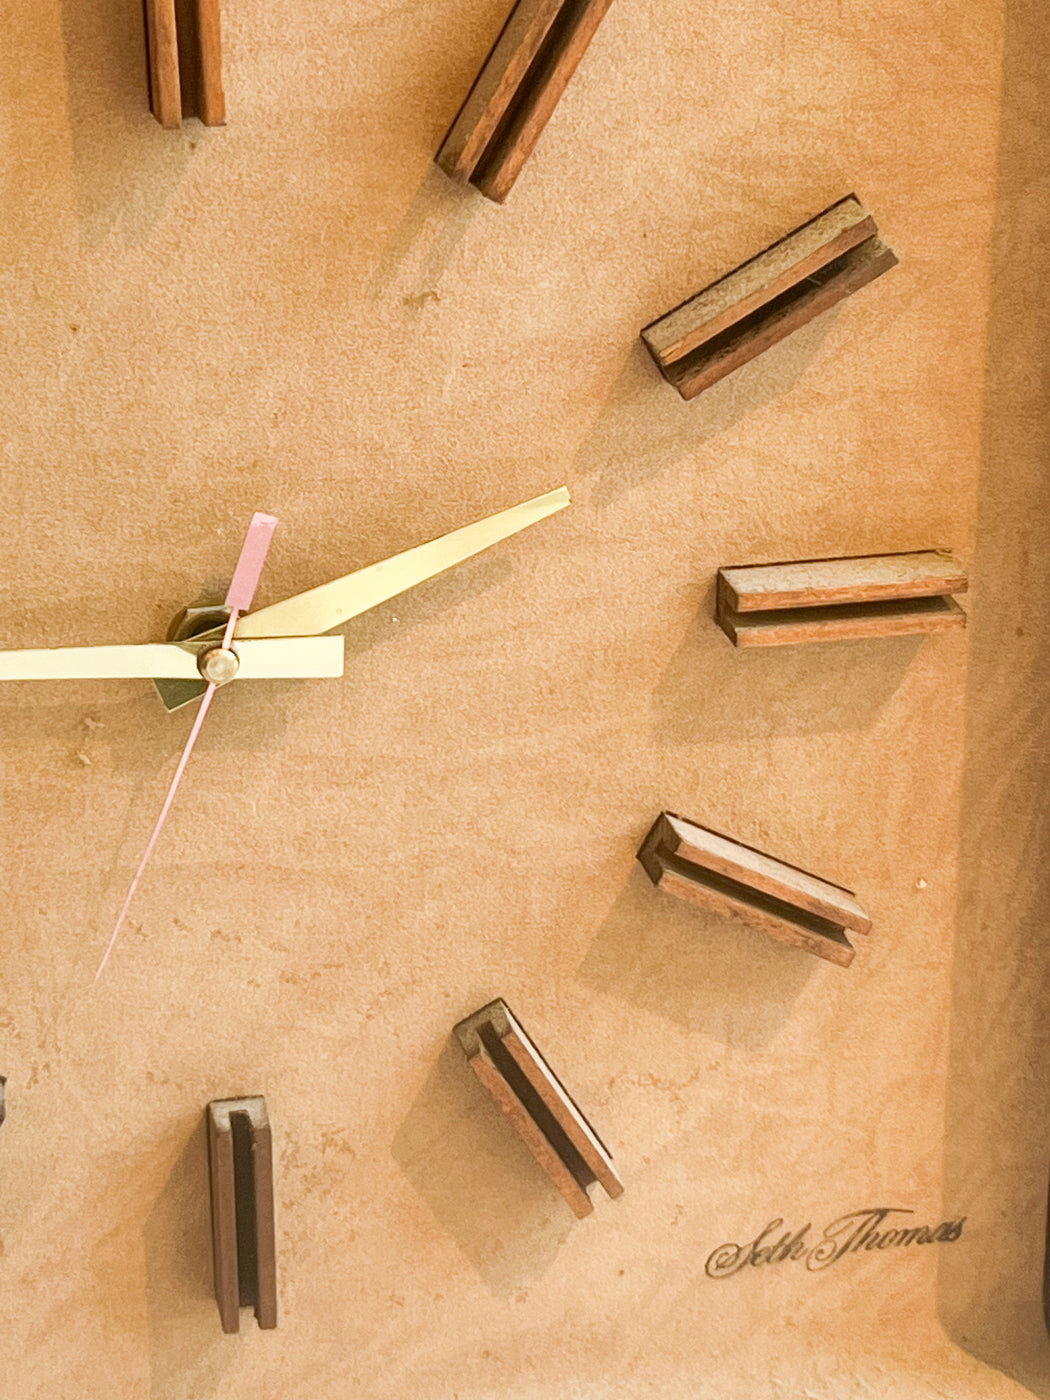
{"x": 764, "y": 300}
{"x": 714, "y": 872}
{"x": 516, "y": 92}
{"x": 3, "y": 1099}
{"x": 184, "y": 46}
{"x": 830, "y": 600}
{"x": 240, "y": 1162}
{"x": 533, "y": 1098}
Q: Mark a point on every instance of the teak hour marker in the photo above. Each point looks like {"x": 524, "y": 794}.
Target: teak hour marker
{"x": 714, "y": 872}
{"x": 516, "y": 92}
{"x": 534, "y": 1099}
{"x": 184, "y": 45}
{"x": 240, "y": 1163}
{"x": 763, "y": 301}
{"x": 830, "y": 600}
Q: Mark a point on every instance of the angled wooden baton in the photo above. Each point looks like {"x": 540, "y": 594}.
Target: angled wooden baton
{"x": 240, "y": 1162}
{"x": 535, "y": 1101}
{"x": 831, "y": 600}
{"x": 184, "y": 52}
{"x": 766, "y": 299}
{"x": 516, "y": 92}
{"x": 712, "y": 871}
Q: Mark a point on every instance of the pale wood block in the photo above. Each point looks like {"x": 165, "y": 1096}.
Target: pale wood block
{"x": 517, "y": 90}
{"x": 165, "y": 88}
{"x": 777, "y": 320}
{"x": 531, "y": 1096}
{"x": 550, "y": 1089}
{"x": 713, "y": 871}
{"x": 265, "y": 1301}
{"x": 824, "y": 600}
{"x": 700, "y": 846}
{"x": 223, "y": 1219}
{"x": 773, "y": 294}
{"x": 526, "y": 1128}
{"x": 813, "y": 583}
{"x": 211, "y": 99}
{"x": 759, "y": 280}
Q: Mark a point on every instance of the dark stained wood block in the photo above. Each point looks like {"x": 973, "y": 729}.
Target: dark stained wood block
{"x": 824, "y": 600}
{"x": 240, "y": 1163}
{"x": 184, "y": 47}
{"x": 715, "y": 872}
{"x": 763, "y": 301}
{"x": 516, "y": 92}
{"x": 534, "y": 1100}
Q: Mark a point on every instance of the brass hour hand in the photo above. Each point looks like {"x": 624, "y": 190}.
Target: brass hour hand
{"x": 320, "y": 609}
{"x": 289, "y": 658}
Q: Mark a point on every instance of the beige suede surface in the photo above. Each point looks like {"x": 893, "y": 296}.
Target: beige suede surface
{"x": 299, "y": 314}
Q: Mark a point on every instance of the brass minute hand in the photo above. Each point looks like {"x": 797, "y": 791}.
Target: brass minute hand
{"x": 320, "y": 609}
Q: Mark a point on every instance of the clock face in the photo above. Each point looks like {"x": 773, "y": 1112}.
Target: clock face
{"x": 299, "y": 314}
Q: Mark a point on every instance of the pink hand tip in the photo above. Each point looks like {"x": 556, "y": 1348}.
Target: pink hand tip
{"x": 250, "y": 564}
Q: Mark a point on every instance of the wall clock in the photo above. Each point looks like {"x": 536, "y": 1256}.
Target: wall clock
{"x": 298, "y": 313}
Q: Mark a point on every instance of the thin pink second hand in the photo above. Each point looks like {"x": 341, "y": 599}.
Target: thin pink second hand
{"x": 239, "y": 597}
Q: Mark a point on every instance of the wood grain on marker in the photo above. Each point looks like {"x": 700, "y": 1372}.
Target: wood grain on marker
{"x": 767, "y": 298}
{"x": 517, "y": 90}
{"x": 184, "y": 50}
{"x": 818, "y": 600}
{"x": 536, "y": 1103}
{"x": 240, "y": 1165}
{"x": 715, "y": 872}
{"x": 165, "y": 88}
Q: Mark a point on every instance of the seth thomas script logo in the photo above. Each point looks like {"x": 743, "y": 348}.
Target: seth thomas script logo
{"x": 862, "y": 1229}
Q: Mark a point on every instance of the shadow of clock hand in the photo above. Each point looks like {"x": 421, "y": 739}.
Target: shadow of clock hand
{"x": 644, "y": 428}
{"x": 420, "y": 605}
{"x": 479, "y": 1179}
{"x": 257, "y": 717}
{"x": 432, "y": 228}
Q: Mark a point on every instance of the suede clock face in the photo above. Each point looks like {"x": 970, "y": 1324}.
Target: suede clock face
{"x": 432, "y": 797}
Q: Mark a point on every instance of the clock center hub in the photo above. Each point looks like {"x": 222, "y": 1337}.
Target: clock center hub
{"x": 218, "y": 666}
